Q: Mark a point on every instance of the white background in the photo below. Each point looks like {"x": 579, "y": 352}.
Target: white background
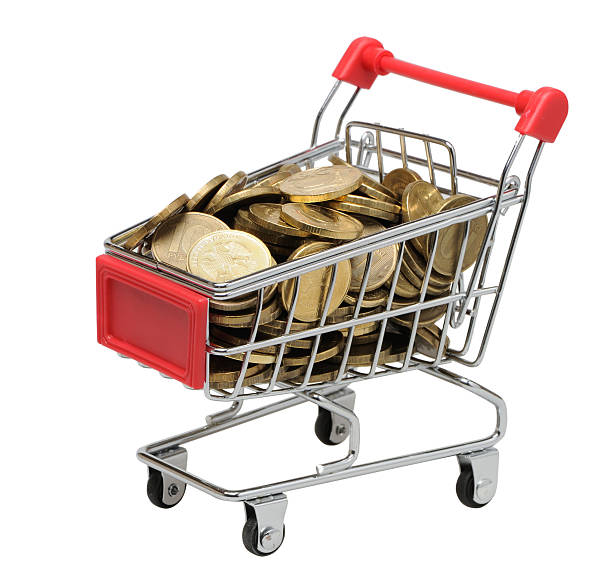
{"x": 111, "y": 109}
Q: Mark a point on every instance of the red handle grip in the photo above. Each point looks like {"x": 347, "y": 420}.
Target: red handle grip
{"x": 542, "y": 112}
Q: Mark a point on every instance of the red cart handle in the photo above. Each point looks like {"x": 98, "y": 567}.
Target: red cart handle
{"x": 542, "y": 112}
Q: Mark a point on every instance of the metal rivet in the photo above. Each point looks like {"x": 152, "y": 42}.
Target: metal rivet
{"x": 271, "y": 539}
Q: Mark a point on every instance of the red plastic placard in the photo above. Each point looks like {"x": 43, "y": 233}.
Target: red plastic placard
{"x": 152, "y": 320}
{"x": 542, "y": 113}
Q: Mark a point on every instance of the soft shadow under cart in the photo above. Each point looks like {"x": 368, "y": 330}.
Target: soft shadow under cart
{"x": 158, "y": 315}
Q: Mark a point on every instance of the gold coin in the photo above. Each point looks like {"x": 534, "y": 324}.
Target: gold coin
{"x": 200, "y": 199}
{"x": 121, "y": 237}
{"x": 321, "y": 373}
{"x": 369, "y": 202}
{"x": 321, "y": 184}
{"x": 226, "y": 255}
{"x": 245, "y": 302}
{"x": 290, "y": 373}
{"x": 383, "y": 261}
{"x": 362, "y": 354}
{"x": 362, "y": 329}
{"x": 274, "y": 179}
{"x": 397, "y": 180}
{"x": 223, "y": 373}
{"x": 243, "y": 198}
{"x": 245, "y": 318}
{"x": 174, "y": 238}
{"x": 346, "y": 313}
{"x": 371, "y": 299}
{"x": 427, "y": 316}
{"x": 449, "y": 242}
{"x": 420, "y": 199}
{"x": 314, "y": 285}
{"x": 426, "y": 342}
{"x": 428, "y": 339}
{"x": 277, "y": 327}
{"x": 376, "y": 190}
{"x": 235, "y": 183}
{"x": 404, "y": 287}
{"x": 338, "y": 161}
{"x": 321, "y": 221}
{"x": 291, "y": 168}
{"x": 222, "y": 368}
{"x": 347, "y": 207}
{"x": 418, "y": 265}
{"x": 240, "y": 336}
{"x": 268, "y": 216}
{"x": 416, "y": 280}
{"x": 141, "y": 233}
{"x": 331, "y": 344}
{"x": 243, "y": 222}
{"x": 366, "y": 338}
{"x": 255, "y": 357}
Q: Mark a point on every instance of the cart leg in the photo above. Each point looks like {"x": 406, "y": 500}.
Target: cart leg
{"x": 224, "y": 415}
{"x": 163, "y": 490}
{"x": 477, "y": 481}
{"x": 331, "y": 428}
{"x": 264, "y": 529}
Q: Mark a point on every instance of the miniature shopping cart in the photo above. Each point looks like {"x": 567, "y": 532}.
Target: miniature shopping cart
{"x": 157, "y": 314}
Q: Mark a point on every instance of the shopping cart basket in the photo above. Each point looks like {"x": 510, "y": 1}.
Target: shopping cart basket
{"x": 158, "y": 315}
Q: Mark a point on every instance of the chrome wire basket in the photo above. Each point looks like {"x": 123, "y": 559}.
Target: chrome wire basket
{"x": 468, "y": 310}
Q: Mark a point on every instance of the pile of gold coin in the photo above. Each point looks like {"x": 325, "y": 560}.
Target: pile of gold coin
{"x": 229, "y": 229}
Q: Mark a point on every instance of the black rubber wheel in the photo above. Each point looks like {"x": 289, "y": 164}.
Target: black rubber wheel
{"x": 323, "y": 427}
{"x": 465, "y": 489}
{"x": 155, "y": 489}
{"x": 250, "y": 537}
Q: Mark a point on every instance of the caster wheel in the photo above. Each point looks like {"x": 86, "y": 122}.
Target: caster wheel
{"x": 155, "y": 491}
{"x": 250, "y": 538}
{"x": 465, "y": 489}
{"x": 323, "y": 428}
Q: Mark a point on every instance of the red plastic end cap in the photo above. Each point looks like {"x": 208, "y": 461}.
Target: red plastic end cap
{"x": 542, "y": 113}
{"x": 360, "y": 65}
{"x": 152, "y": 320}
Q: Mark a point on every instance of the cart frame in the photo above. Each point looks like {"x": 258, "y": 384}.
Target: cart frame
{"x": 478, "y": 459}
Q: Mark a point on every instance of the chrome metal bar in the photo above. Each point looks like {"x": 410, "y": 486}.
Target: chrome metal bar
{"x": 367, "y": 138}
{"x": 247, "y": 354}
{"x": 252, "y": 282}
{"x": 432, "y": 171}
{"x": 282, "y": 346}
{"x": 466, "y": 174}
{"x": 492, "y": 224}
{"x": 317, "y": 338}
{"x": 426, "y": 139}
{"x": 351, "y": 332}
{"x": 147, "y": 455}
{"x": 379, "y": 156}
{"x": 454, "y": 288}
{"x": 417, "y": 314}
{"x": 224, "y": 415}
{"x": 508, "y": 261}
{"x": 403, "y": 152}
{"x": 354, "y": 437}
{"x": 346, "y": 109}
{"x": 433, "y": 302}
{"x": 317, "y": 123}
{"x": 383, "y": 323}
